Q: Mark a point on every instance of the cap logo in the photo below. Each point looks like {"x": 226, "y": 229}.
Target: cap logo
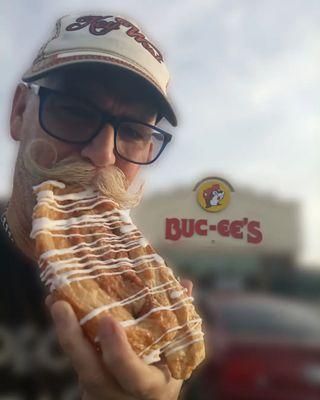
{"x": 99, "y": 26}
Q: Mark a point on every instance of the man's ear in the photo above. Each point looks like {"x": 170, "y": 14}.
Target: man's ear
{"x": 18, "y": 107}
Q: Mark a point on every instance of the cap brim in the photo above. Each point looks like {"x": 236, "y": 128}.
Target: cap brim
{"x": 51, "y": 64}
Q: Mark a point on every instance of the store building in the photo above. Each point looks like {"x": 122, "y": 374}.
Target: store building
{"x": 252, "y": 236}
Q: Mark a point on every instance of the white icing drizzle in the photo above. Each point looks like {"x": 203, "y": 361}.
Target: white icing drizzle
{"x": 74, "y": 204}
{"x": 75, "y": 208}
{"x": 129, "y": 238}
{"x": 85, "y": 194}
{"x": 143, "y": 242}
{"x": 114, "y": 225}
{"x": 110, "y": 236}
{"x": 185, "y": 345}
{"x": 175, "y": 294}
{"x": 91, "y": 247}
{"x": 171, "y": 307}
{"x": 127, "y": 228}
{"x": 180, "y": 339}
{"x": 109, "y": 264}
{"x": 131, "y": 322}
{"x": 176, "y": 328}
{"x": 152, "y": 357}
{"x": 158, "y": 259}
{"x": 54, "y": 282}
{"x": 58, "y": 184}
{"x": 75, "y": 222}
{"x": 137, "y": 296}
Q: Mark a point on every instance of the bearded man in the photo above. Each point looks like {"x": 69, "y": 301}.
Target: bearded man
{"x": 86, "y": 112}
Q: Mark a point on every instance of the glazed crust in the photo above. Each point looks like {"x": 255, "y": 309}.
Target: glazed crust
{"x": 91, "y": 255}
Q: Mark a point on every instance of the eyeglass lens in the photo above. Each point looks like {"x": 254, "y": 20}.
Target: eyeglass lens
{"x": 74, "y": 120}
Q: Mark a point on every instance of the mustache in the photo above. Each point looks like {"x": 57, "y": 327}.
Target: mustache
{"x": 110, "y": 181}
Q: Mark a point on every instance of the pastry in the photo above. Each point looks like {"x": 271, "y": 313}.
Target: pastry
{"x": 91, "y": 255}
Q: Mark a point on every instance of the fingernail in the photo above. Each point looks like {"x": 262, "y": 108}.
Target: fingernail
{"x": 107, "y": 328}
{"x": 60, "y": 314}
{"x": 47, "y": 301}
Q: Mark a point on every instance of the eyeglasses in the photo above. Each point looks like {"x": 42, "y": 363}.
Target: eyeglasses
{"x": 75, "y": 120}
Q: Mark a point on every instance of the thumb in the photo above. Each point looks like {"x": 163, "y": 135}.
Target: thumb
{"x": 128, "y": 369}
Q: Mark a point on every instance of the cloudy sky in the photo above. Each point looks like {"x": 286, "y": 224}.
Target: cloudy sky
{"x": 245, "y": 80}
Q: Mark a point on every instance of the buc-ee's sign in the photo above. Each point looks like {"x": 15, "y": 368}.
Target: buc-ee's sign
{"x": 214, "y": 195}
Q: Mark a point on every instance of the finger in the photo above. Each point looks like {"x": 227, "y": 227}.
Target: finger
{"x": 129, "y": 370}
{"x": 49, "y": 301}
{"x": 188, "y": 285}
{"x": 83, "y": 357}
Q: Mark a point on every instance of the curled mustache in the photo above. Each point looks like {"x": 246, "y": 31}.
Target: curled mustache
{"x": 110, "y": 181}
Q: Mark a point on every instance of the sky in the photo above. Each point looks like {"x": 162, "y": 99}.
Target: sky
{"x": 245, "y": 83}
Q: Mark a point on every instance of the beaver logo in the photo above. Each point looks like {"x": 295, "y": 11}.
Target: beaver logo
{"x": 213, "y": 193}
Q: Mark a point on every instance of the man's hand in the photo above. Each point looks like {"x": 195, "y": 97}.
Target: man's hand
{"x": 119, "y": 373}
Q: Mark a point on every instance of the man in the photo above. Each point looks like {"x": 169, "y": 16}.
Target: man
{"x": 88, "y": 114}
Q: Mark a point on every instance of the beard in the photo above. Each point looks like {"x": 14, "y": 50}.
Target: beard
{"x": 110, "y": 181}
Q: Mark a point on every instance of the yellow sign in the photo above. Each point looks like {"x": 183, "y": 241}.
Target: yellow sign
{"x": 213, "y": 194}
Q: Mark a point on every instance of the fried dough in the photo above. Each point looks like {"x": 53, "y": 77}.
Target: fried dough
{"x": 91, "y": 255}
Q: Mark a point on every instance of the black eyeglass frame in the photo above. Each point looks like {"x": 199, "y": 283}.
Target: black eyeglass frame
{"x": 43, "y": 93}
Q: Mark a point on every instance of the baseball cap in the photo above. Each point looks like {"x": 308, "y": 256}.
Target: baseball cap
{"x": 107, "y": 40}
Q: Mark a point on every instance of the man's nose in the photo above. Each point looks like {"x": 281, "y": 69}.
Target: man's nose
{"x": 100, "y": 150}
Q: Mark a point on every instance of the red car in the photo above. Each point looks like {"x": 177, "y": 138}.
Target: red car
{"x": 259, "y": 348}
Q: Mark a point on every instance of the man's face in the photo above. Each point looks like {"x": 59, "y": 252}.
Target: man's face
{"x": 118, "y": 94}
